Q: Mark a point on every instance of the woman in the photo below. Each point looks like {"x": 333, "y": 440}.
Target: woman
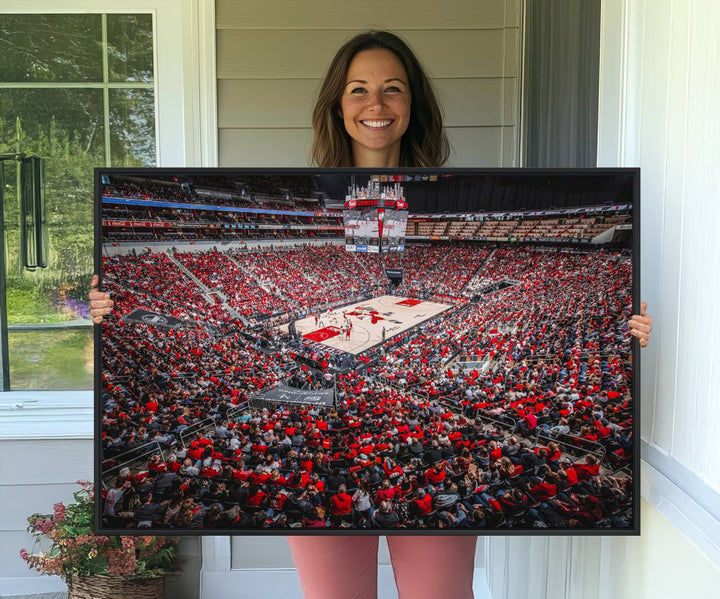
{"x": 376, "y": 108}
{"x": 363, "y": 119}
{"x": 362, "y": 505}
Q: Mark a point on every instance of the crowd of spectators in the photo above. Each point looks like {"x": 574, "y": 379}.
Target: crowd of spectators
{"x": 414, "y": 439}
{"x": 381, "y": 458}
{"x": 268, "y": 185}
{"x": 140, "y": 222}
{"x": 294, "y": 194}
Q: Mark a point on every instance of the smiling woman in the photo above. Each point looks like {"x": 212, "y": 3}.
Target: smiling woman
{"x": 376, "y": 99}
{"x": 375, "y": 107}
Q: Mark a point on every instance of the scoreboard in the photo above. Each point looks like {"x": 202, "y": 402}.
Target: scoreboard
{"x": 375, "y": 219}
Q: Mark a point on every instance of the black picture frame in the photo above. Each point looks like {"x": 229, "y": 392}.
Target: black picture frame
{"x": 524, "y": 194}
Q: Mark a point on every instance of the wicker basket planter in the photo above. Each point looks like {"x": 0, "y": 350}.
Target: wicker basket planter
{"x": 66, "y": 546}
{"x": 116, "y": 587}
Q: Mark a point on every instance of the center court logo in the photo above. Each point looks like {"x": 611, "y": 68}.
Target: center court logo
{"x": 366, "y": 313}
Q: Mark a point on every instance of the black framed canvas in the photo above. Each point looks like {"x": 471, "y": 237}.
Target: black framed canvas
{"x": 357, "y": 351}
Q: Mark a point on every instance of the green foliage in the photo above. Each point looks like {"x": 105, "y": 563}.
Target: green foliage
{"x": 66, "y": 127}
{"x": 50, "y": 47}
{"x": 52, "y": 359}
{"x": 75, "y": 551}
{"x": 26, "y": 303}
{"x": 68, "y": 193}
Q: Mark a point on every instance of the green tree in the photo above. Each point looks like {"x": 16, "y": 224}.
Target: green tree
{"x": 66, "y": 127}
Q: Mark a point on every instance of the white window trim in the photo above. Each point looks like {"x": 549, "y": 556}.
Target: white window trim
{"x": 186, "y": 123}
{"x": 32, "y": 415}
{"x": 683, "y": 498}
{"x": 185, "y": 75}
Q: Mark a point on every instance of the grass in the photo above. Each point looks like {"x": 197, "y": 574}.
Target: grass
{"x": 52, "y": 359}
{"x": 30, "y": 306}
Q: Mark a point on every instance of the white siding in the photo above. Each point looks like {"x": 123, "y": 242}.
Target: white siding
{"x": 271, "y": 58}
{"x": 34, "y": 475}
{"x": 670, "y": 127}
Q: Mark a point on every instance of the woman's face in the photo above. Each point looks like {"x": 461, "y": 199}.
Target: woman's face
{"x": 375, "y": 107}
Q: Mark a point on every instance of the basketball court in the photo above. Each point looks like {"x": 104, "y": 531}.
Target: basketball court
{"x": 389, "y": 313}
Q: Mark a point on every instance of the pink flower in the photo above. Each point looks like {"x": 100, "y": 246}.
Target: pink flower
{"x": 43, "y": 526}
{"x": 54, "y": 565}
{"x": 76, "y": 555}
{"x": 88, "y": 488}
{"x": 59, "y": 512}
{"x": 121, "y": 562}
{"x": 128, "y": 542}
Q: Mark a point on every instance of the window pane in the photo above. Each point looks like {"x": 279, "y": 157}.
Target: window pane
{"x": 65, "y": 127}
{"x": 130, "y": 47}
{"x": 132, "y": 127}
{"x": 53, "y": 121}
{"x": 52, "y": 359}
{"x": 50, "y": 48}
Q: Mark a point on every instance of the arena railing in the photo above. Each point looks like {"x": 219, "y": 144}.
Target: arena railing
{"x": 450, "y": 358}
{"x": 132, "y": 456}
{"x": 575, "y": 444}
{"x": 140, "y": 453}
{"x": 479, "y": 358}
{"x": 415, "y": 389}
{"x": 232, "y": 412}
{"x": 505, "y": 422}
{"x": 445, "y": 400}
{"x": 259, "y": 402}
{"x": 409, "y": 389}
{"x": 196, "y": 428}
{"x": 210, "y": 422}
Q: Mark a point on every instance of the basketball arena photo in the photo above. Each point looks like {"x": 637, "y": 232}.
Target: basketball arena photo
{"x": 430, "y": 352}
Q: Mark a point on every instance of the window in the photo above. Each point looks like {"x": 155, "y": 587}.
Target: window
{"x": 78, "y": 90}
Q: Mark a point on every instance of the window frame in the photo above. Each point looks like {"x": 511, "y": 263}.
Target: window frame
{"x": 186, "y": 135}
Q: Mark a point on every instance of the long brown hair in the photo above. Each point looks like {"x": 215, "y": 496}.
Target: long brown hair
{"x": 423, "y": 144}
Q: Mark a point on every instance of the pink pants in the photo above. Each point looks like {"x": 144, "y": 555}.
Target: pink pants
{"x": 424, "y": 567}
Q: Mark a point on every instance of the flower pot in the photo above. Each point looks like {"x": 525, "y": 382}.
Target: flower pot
{"x": 116, "y": 587}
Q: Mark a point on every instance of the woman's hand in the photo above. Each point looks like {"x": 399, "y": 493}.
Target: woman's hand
{"x": 100, "y": 302}
{"x": 641, "y": 325}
